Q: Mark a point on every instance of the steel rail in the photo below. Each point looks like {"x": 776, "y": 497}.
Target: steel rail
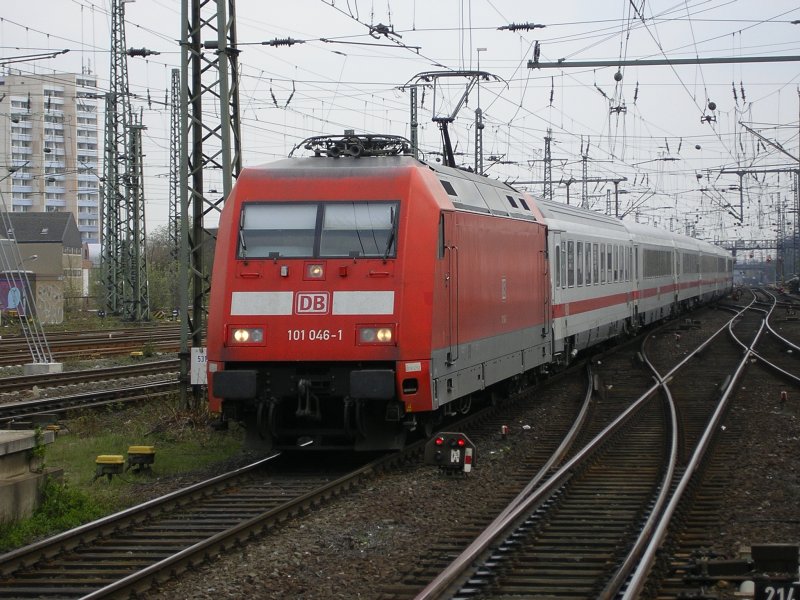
{"x": 28, "y": 555}
{"x": 140, "y": 580}
{"x": 9, "y": 411}
{"x": 632, "y": 559}
{"x": 637, "y": 581}
{"x": 635, "y": 554}
{"x": 789, "y": 343}
{"x": 521, "y": 506}
{"x": 559, "y": 453}
{"x": 22, "y": 382}
{"x": 202, "y": 547}
{"x": 765, "y": 361}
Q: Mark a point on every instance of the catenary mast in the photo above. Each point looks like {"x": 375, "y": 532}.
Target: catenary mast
{"x": 123, "y": 242}
{"x": 209, "y": 86}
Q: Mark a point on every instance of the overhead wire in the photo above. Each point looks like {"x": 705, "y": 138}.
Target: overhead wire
{"x": 322, "y": 89}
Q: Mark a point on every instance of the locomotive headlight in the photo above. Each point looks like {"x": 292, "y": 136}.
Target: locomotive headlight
{"x": 314, "y": 271}
{"x": 376, "y": 334}
{"x": 246, "y": 335}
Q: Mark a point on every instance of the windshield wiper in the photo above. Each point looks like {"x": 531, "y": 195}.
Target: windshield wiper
{"x": 390, "y": 241}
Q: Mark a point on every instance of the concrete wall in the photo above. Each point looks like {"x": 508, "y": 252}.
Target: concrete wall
{"x": 21, "y": 481}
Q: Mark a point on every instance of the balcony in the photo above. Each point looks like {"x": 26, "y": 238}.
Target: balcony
{"x": 21, "y": 120}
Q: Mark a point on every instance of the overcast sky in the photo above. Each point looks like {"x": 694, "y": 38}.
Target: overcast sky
{"x": 653, "y": 127}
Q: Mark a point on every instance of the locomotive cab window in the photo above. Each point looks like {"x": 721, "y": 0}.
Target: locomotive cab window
{"x": 358, "y": 229}
{"x": 318, "y": 230}
{"x": 285, "y": 229}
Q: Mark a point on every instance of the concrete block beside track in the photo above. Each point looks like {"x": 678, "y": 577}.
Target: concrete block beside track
{"x": 21, "y": 482}
{"x": 43, "y": 368}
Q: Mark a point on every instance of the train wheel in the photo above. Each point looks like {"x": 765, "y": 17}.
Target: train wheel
{"x": 376, "y": 432}
{"x": 257, "y": 441}
{"x": 430, "y": 423}
{"x": 258, "y": 437}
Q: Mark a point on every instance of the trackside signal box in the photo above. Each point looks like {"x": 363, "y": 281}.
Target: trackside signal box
{"x": 450, "y": 451}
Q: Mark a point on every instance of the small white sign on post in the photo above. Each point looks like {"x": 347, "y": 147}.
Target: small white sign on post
{"x": 199, "y": 375}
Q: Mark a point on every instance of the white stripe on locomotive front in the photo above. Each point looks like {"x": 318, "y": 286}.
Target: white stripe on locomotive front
{"x": 363, "y": 303}
{"x": 261, "y": 303}
{"x": 280, "y": 303}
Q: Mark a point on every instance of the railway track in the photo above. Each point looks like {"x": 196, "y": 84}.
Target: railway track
{"x": 604, "y": 399}
{"x": 691, "y": 568}
{"x": 777, "y": 349}
{"x": 442, "y": 551}
{"x": 129, "y": 550}
{"x": 584, "y": 531}
{"x": 157, "y": 540}
{"x": 27, "y": 413}
{"x": 94, "y": 344}
{"x": 27, "y": 382}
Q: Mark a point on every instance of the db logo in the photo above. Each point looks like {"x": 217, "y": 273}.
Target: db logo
{"x": 311, "y": 303}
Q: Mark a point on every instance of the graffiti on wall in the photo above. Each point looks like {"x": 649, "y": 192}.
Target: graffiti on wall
{"x": 12, "y": 294}
{"x": 49, "y": 298}
{"x": 50, "y": 302}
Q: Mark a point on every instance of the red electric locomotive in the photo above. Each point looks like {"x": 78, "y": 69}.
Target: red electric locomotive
{"x": 360, "y": 294}
{"x": 357, "y": 299}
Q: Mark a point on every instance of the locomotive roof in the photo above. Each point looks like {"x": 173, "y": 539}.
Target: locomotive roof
{"x": 466, "y": 190}
{"x": 477, "y": 193}
{"x": 324, "y": 166}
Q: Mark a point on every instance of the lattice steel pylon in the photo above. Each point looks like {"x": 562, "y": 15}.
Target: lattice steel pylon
{"x": 548, "y": 166}
{"x": 209, "y": 77}
{"x": 124, "y": 237}
{"x": 414, "y": 122}
{"x": 113, "y": 201}
{"x": 137, "y": 300}
{"x": 585, "y": 179}
{"x": 173, "y": 226}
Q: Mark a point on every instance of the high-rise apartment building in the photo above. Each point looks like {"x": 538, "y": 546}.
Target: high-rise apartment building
{"x": 49, "y": 151}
